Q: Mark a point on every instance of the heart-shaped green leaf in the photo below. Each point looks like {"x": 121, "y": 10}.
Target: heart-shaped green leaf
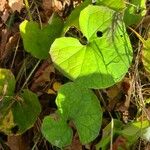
{"x": 134, "y": 12}
{"x": 133, "y": 131}
{"x": 26, "y": 110}
{"x": 7, "y": 83}
{"x": 38, "y": 41}
{"x": 57, "y": 132}
{"x": 19, "y": 113}
{"x": 106, "y": 56}
{"x": 79, "y": 105}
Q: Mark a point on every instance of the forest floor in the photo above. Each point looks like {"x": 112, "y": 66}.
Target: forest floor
{"x": 124, "y": 100}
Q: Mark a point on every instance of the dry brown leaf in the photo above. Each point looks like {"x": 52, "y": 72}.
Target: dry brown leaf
{"x": 47, "y": 4}
{"x": 146, "y": 21}
{"x": 2, "y": 4}
{"x": 16, "y": 5}
{"x": 113, "y": 94}
{"x": 5, "y": 15}
{"x": 113, "y": 91}
{"x": 10, "y": 45}
{"x": 12, "y": 42}
{"x": 47, "y": 10}
{"x": 75, "y": 145}
{"x": 5, "y": 34}
{"x": 17, "y": 143}
{"x": 42, "y": 76}
{"x": 119, "y": 142}
{"x": 57, "y": 5}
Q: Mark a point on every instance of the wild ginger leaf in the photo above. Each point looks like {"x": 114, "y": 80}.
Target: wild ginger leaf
{"x": 19, "y": 113}
{"x": 26, "y": 110}
{"x": 38, "y": 41}
{"x": 78, "y": 105}
{"x": 57, "y": 132}
{"x": 103, "y": 57}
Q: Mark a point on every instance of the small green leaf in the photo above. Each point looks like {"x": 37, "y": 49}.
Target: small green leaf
{"x": 133, "y": 131}
{"x": 26, "y": 110}
{"x": 19, "y": 113}
{"x": 80, "y": 106}
{"x": 118, "y": 5}
{"x": 134, "y": 12}
{"x": 104, "y": 59}
{"x": 7, "y": 83}
{"x": 57, "y": 132}
{"x": 38, "y": 41}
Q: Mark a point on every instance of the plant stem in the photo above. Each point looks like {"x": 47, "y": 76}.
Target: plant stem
{"x": 28, "y": 9}
{"x": 31, "y": 74}
{"x": 111, "y": 136}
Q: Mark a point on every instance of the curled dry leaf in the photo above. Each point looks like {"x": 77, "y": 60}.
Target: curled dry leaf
{"x": 42, "y": 76}
{"x": 10, "y": 45}
{"x": 16, "y": 5}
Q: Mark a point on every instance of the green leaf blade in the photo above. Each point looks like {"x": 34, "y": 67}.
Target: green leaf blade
{"x": 105, "y": 59}
{"x": 38, "y": 41}
{"x": 81, "y": 106}
{"x": 57, "y": 132}
{"x": 26, "y": 110}
{"x": 90, "y": 24}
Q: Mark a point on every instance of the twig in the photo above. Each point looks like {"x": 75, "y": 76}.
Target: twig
{"x": 28, "y": 78}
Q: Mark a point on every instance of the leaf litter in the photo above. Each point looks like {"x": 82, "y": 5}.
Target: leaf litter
{"x": 118, "y": 98}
